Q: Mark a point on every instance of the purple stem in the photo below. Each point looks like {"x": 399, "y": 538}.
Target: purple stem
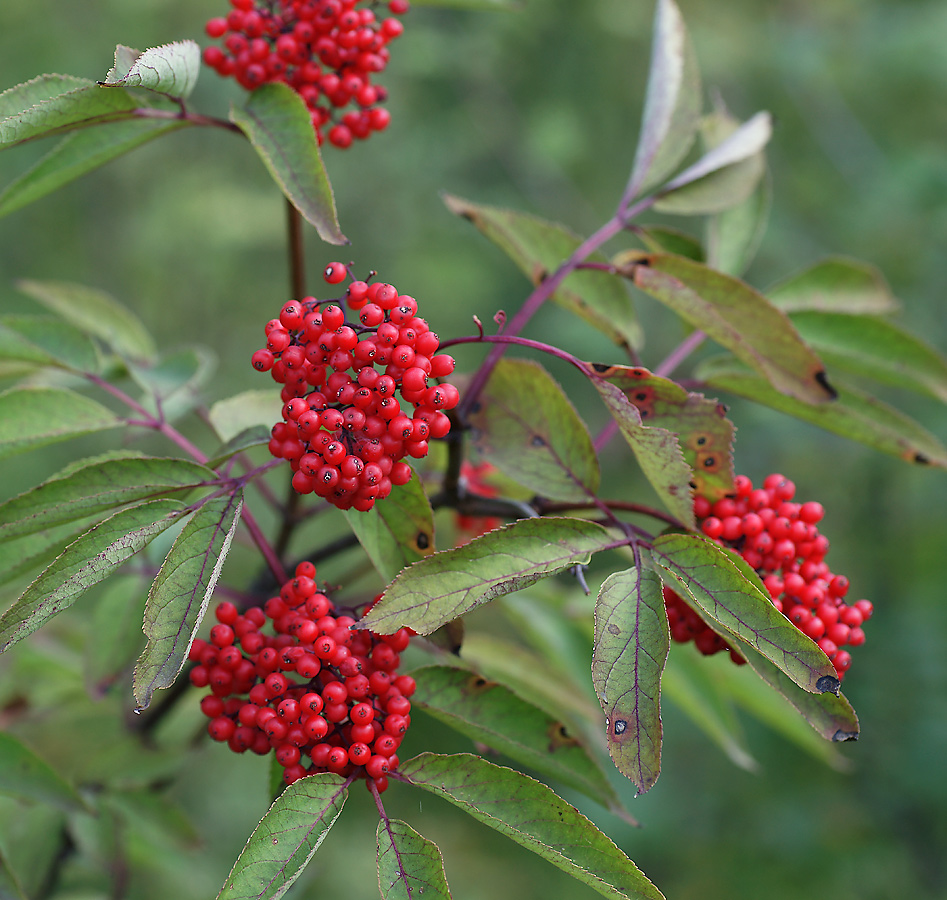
{"x": 680, "y": 353}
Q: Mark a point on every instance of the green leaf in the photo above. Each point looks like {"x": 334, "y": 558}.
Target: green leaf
{"x": 631, "y": 646}
{"x": 85, "y": 562}
{"x": 173, "y": 384}
{"x": 277, "y": 122}
{"x": 26, "y": 555}
{"x": 726, "y": 175}
{"x": 46, "y": 341}
{"x": 829, "y": 714}
{"x": 408, "y": 864}
{"x": 235, "y": 414}
{"x": 532, "y": 815}
{"x": 734, "y": 235}
{"x": 738, "y": 317}
{"x": 80, "y": 152}
{"x": 657, "y": 450}
{"x": 719, "y": 583}
{"x": 169, "y": 69}
{"x": 179, "y": 596}
{"x": 399, "y": 531}
{"x": 253, "y": 436}
{"x": 82, "y": 103}
{"x": 664, "y": 239}
{"x": 835, "y": 284}
{"x": 704, "y": 432}
{"x": 873, "y": 347}
{"x": 526, "y": 427}
{"x": 96, "y": 487}
{"x": 492, "y": 714}
{"x": 95, "y": 313}
{"x": 853, "y": 415}
{"x": 672, "y": 101}
{"x": 10, "y": 887}
{"x": 689, "y": 684}
{"x": 23, "y": 774}
{"x": 33, "y": 417}
{"x": 33, "y": 840}
{"x": 286, "y": 839}
{"x": 439, "y": 588}
{"x": 539, "y": 248}
{"x": 471, "y": 4}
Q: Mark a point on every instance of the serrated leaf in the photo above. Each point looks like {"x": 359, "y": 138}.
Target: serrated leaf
{"x": 725, "y": 176}
{"x": 525, "y": 426}
{"x": 399, "y": 531}
{"x": 538, "y": 248}
{"x": 233, "y": 415}
{"x": 96, "y": 487}
{"x": 672, "y": 101}
{"x": 494, "y": 715}
{"x": 534, "y": 816}
{"x": 873, "y": 347}
{"x": 181, "y": 592}
{"x": 705, "y": 434}
{"x": 23, "y": 96}
{"x": 408, "y": 864}
{"x": 738, "y": 317}
{"x": 854, "y": 414}
{"x": 28, "y": 554}
{"x": 286, "y": 839}
{"x": 46, "y": 341}
{"x": 253, "y": 436}
{"x": 85, "y": 562}
{"x": 33, "y": 417}
{"x": 835, "y": 284}
{"x": 23, "y": 774}
{"x": 725, "y": 588}
{"x": 276, "y": 120}
{"x": 448, "y": 584}
{"x": 657, "y": 450}
{"x": 78, "y": 153}
{"x": 169, "y": 69}
{"x": 630, "y": 650}
{"x": 83, "y": 104}
{"x": 97, "y": 314}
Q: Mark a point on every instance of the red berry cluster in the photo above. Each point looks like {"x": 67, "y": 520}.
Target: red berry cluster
{"x": 344, "y": 430}
{"x": 474, "y": 479}
{"x": 313, "y": 688}
{"x": 778, "y": 537}
{"x": 326, "y": 50}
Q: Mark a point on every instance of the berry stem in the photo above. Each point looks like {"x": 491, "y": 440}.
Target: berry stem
{"x": 146, "y": 112}
{"x": 547, "y": 288}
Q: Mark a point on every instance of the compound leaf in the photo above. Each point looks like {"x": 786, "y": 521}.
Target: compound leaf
{"x": 739, "y": 318}
{"x": 448, "y": 584}
{"x": 722, "y": 586}
{"x": 179, "y": 596}
{"x": 286, "y": 839}
{"x": 854, "y": 414}
{"x": 277, "y": 122}
{"x": 525, "y": 426}
{"x": 539, "y": 248}
{"x": 35, "y": 416}
{"x": 531, "y": 814}
{"x": 494, "y": 715}
{"x": 408, "y": 865}
{"x": 399, "y": 531}
{"x": 629, "y": 653}
{"x": 88, "y": 560}
{"x": 98, "y": 486}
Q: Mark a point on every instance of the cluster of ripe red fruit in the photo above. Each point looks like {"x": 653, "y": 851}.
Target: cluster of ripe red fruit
{"x": 778, "y": 538}
{"x": 344, "y": 431}
{"x": 313, "y": 688}
{"x": 328, "y": 51}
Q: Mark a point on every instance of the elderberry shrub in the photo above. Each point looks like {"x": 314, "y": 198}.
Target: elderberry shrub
{"x": 344, "y": 431}
{"x": 779, "y": 539}
{"x": 314, "y": 688}
{"x": 328, "y": 51}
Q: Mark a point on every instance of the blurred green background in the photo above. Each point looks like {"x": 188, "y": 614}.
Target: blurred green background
{"x": 538, "y": 109}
